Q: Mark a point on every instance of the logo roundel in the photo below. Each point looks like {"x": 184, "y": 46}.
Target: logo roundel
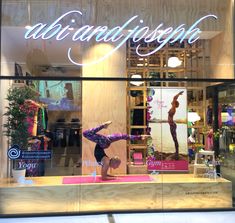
{"x": 14, "y": 152}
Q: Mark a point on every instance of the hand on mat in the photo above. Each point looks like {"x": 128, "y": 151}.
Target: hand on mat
{"x": 106, "y": 124}
{"x": 109, "y": 177}
{"x": 113, "y": 177}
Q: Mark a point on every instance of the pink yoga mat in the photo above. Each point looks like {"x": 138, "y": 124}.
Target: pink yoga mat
{"x": 97, "y": 179}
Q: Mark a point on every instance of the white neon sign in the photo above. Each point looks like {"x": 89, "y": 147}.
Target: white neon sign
{"x": 105, "y": 34}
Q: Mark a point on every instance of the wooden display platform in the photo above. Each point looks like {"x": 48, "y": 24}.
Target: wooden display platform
{"x": 164, "y": 191}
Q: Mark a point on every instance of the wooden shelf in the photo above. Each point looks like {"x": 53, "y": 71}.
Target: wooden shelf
{"x": 192, "y": 57}
{"x": 133, "y": 146}
{"x": 195, "y": 107}
{"x": 138, "y": 127}
{"x": 141, "y": 88}
{"x": 138, "y": 107}
{"x": 196, "y": 126}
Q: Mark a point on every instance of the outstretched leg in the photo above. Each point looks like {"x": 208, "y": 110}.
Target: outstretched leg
{"x": 105, "y": 141}
{"x": 93, "y": 136}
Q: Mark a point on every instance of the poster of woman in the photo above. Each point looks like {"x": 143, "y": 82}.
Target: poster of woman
{"x": 167, "y": 121}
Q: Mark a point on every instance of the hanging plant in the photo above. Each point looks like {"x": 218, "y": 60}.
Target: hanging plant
{"x": 17, "y": 111}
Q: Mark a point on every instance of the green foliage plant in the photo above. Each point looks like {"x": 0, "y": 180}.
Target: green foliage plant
{"x": 17, "y": 111}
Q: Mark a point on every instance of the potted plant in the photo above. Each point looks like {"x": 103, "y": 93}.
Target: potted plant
{"x": 16, "y": 126}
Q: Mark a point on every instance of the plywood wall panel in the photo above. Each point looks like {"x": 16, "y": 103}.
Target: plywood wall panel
{"x": 102, "y": 101}
{"x": 115, "y": 12}
{"x": 114, "y": 197}
{"x": 222, "y": 55}
{"x": 164, "y": 191}
{"x": 153, "y": 12}
{"x": 47, "y": 199}
{"x": 185, "y": 195}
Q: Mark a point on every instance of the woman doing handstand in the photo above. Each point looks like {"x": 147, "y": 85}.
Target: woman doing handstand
{"x": 102, "y": 143}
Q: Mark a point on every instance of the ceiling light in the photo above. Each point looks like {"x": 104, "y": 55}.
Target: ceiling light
{"x": 28, "y": 27}
{"x": 136, "y": 83}
{"x": 174, "y": 62}
{"x": 193, "y": 117}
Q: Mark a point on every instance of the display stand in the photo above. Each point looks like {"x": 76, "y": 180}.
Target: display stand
{"x": 205, "y": 166}
{"x": 156, "y": 66}
{"x": 164, "y": 191}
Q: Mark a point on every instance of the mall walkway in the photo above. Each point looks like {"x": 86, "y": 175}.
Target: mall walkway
{"x": 181, "y": 217}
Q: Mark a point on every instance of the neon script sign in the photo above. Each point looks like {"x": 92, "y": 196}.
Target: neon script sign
{"x": 116, "y": 34}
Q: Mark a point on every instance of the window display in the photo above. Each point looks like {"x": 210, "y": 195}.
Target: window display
{"x": 166, "y": 82}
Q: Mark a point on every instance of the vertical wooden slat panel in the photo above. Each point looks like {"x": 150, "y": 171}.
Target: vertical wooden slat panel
{"x": 222, "y": 65}
{"x": 102, "y": 101}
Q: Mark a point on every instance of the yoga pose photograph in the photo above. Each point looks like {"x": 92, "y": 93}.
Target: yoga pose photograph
{"x": 103, "y": 142}
{"x": 174, "y": 104}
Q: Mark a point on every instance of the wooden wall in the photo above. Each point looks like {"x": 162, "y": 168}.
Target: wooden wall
{"x": 114, "y": 12}
{"x": 102, "y": 101}
{"x": 153, "y": 12}
{"x": 222, "y": 55}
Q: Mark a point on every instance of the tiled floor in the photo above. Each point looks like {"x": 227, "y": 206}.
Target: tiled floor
{"x": 181, "y": 217}
{"x": 188, "y": 217}
{"x": 60, "y": 219}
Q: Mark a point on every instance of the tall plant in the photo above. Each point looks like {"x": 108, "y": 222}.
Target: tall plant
{"x": 16, "y": 126}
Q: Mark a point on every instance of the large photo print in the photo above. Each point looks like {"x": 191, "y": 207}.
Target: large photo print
{"x": 167, "y": 123}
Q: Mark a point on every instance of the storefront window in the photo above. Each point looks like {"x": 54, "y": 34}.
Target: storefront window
{"x": 139, "y": 90}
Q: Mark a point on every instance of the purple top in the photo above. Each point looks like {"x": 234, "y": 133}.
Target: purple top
{"x": 105, "y": 141}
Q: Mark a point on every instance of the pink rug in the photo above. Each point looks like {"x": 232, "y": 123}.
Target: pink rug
{"x": 97, "y": 179}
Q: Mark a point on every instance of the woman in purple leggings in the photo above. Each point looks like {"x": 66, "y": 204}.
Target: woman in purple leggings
{"x": 173, "y": 126}
{"x": 102, "y": 143}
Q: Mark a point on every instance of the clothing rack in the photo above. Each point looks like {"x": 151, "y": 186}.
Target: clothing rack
{"x": 66, "y": 134}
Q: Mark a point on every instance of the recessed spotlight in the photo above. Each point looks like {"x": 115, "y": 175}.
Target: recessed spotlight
{"x": 28, "y": 27}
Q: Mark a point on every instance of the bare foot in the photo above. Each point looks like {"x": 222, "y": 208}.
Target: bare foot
{"x": 174, "y": 156}
{"x": 106, "y": 124}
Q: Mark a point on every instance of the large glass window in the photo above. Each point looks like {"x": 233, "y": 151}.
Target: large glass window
{"x": 110, "y": 107}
